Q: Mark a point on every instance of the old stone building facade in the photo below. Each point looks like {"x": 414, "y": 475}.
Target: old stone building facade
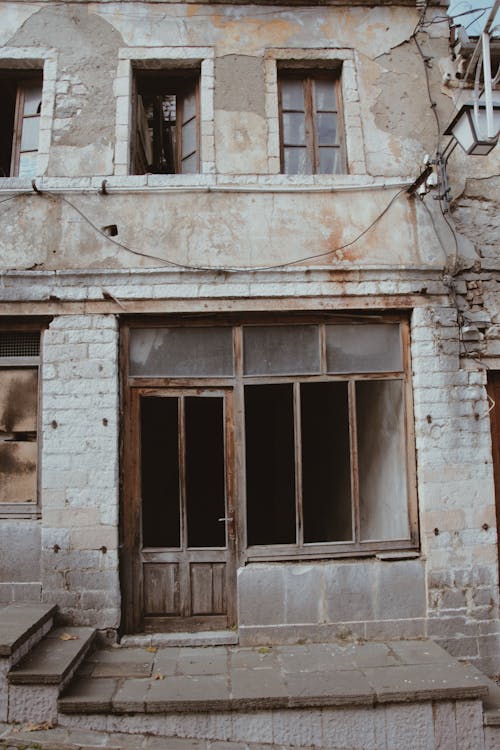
{"x": 243, "y": 366}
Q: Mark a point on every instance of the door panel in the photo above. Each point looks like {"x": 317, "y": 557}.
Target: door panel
{"x": 184, "y": 548}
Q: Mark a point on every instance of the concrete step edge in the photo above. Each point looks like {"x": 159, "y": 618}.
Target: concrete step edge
{"x": 70, "y": 645}
{"x": 8, "y": 648}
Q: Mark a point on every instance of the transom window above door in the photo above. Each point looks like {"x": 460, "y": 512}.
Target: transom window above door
{"x": 322, "y": 423}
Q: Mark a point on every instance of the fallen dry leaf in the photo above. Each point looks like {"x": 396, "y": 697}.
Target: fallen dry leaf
{"x": 152, "y": 649}
{"x": 158, "y": 676}
{"x": 68, "y": 637}
{"x": 38, "y": 727}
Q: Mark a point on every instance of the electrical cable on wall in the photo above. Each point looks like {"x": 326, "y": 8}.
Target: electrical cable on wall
{"x": 221, "y": 269}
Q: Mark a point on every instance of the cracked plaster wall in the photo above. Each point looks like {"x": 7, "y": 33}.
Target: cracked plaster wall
{"x": 395, "y": 122}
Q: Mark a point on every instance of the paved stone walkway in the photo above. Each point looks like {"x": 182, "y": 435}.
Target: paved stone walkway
{"x": 131, "y": 680}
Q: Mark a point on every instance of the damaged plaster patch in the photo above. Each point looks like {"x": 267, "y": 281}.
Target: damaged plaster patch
{"x": 400, "y": 108}
{"x": 88, "y": 52}
{"x": 230, "y": 94}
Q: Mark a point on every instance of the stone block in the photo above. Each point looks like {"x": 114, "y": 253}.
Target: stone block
{"x": 349, "y": 591}
{"x": 304, "y": 594}
{"x": 20, "y": 546}
{"x": 261, "y": 595}
{"x": 409, "y": 726}
{"x": 347, "y": 727}
{"x": 469, "y": 725}
{"x": 33, "y": 703}
{"x": 399, "y": 590}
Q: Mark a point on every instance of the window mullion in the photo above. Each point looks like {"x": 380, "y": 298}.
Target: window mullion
{"x": 314, "y": 127}
{"x": 353, "y": 439}
{"x": 299, "y": 511}
{"x": 310, "y": 125}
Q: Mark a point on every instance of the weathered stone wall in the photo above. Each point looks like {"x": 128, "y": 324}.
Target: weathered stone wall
{"x": 389, "y": 126}
{"x": 80, "y": 469}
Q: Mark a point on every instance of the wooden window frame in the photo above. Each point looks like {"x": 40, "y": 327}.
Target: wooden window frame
{"x": 308, "y": 76}
{"x": 21, "y": 80}
{"x": 299, "y": 550}
{"x": 25, "y": 509}
{"x": 177, "y": 82}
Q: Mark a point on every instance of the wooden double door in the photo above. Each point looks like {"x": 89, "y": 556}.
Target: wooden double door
{"x": 178, "y": 515}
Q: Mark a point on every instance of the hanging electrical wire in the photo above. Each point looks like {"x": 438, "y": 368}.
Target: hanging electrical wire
{"x": 221, "y": 269}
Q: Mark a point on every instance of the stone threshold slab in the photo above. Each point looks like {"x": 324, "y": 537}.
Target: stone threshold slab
{"x": 18, "y": 622}
{"x": 166, "y": 640}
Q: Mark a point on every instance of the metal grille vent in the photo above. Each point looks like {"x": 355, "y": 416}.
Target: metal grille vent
{"x": 19, "y": 344}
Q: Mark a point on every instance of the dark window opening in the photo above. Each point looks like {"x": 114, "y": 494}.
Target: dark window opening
{"x": 19, "y": 123}
{"x": 160, "y": 472}
{"x": 166, "y": 137}
{"x": 270, "y": 461}
{"x": 205, "y": 482}
{"x": 326, "y": 464}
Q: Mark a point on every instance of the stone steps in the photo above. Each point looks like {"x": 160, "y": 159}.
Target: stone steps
{"x": 58, "y": 738}
{"x": 394, "y": 695}
{"x": 36, "y": 682}
{"x": 22, "y": 626}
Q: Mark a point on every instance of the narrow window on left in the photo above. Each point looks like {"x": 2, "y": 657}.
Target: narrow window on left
{"x": 21, "y": 98}
{"x": 19, "y": 360}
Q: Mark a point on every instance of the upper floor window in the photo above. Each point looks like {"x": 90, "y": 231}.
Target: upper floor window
{"x": 166, "y": 122}
{"x": 310, "y": 122}
{"x": 21, "y": 97}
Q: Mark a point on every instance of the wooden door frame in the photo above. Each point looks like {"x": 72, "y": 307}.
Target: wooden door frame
{"x": 130, "y": 563}
{"x": 493, "y": 390}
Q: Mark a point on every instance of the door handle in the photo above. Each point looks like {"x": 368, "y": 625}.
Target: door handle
{"x": 226, "y": 518}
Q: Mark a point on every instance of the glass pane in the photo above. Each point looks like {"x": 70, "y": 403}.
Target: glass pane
{"x": 28, "y": 164}
{"x": 383, "y": 495}
{"x": 18, "y": 399}
{"x": 326, "y": 466}
{"x": 205, "y": 493}
{"x": 329, "y": 160}
{"x": 29, "y": 136}
{"x": 327, "y": 129}
{"x": 325, "y": 95}
{"x": 296, "y": 161}
{"x": 294, "y": 128}
{"x": 189, "y": 109}
{"x": 18, "y": 471}
{"x": 281, "y": 350}
{"x": 292, "y": 93}
{"x": 190, "y": 164}
{"x": 189, "y": 138}
{"x": 160, "y": 472}
{"x": 270, "y": 464}
{"x": 32, "y": 99}
{"x": 368, "y": 347}
{"x": 177, "y": 352}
